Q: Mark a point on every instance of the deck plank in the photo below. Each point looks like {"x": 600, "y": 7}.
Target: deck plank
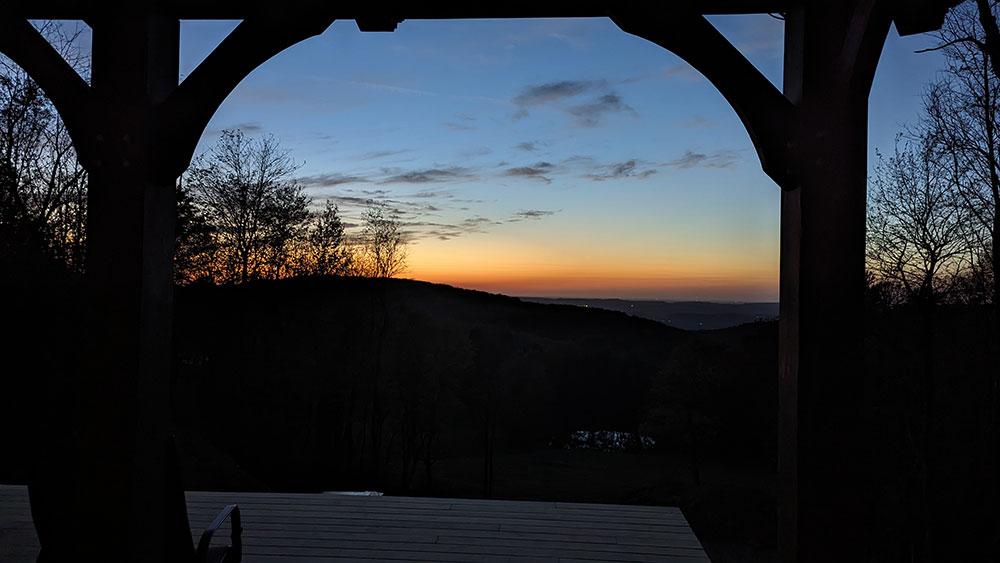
{"x": 314, "y": 528}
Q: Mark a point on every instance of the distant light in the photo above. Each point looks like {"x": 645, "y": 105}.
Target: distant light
{"x": 585, "y": 305}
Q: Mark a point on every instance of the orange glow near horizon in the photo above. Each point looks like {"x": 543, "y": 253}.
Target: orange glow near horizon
{"x": 549, "y": 271}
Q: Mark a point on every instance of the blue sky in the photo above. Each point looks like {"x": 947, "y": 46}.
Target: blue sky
{"x": 543, "y": 157}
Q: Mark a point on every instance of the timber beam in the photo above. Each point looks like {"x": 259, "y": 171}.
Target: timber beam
{"x": 437, "y": 9}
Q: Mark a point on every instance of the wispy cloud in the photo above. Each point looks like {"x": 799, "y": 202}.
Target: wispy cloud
{"x": 329, "y": 180}
{"x": 431, "y": 175}
{"x": 589, "y": 115}
{"x": 698, "y": 122}
{"x": 538, "y": 171}
{"x": 577, "y": 42}
{"x": 529, "y": 146}
{"x": 719, "y": 159}
{"x": 459, "y": 126}
{"x": 531, "y": 214}
{"x": 578, "y": 159}
{"x": 348, "y": 201}
{"x": 554, "y": 91}
{"x": 383, "y": 153}
{"x": 448, "y": 231}
{"x": 251, "y": 127}
{"x": 628, "y": 169}
{"x": 391, "y": 88}
{"x": 476, "y": 151}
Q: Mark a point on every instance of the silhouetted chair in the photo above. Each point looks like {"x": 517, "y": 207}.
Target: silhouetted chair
{"x": 182, "y": 547}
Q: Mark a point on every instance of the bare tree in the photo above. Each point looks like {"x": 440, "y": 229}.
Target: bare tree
{"x": 43, "y": 189}
{"x": 962, "y": 120}
{"x": 383, "y": 249}
{"x": 246, "y": 190}
{"x": 917, "y": 230}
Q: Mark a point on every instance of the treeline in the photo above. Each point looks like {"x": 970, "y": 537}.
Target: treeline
{"x": 241, "y": 216}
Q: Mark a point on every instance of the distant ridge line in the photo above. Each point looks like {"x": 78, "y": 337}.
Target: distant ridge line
{"x": 688, "y": 315}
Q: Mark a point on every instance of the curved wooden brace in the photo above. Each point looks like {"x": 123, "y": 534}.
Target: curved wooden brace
{"x": 862, "y": 47}
{"x": 187, "y": 111}
{"x": 765, "y": 112}
{"x": 70, "y": 94}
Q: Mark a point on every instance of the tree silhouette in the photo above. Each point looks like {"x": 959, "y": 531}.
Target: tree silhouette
{"x": 962, "y": 120}
{"x": 194, "y": 241}
{"x": 383, "y": 249}
{"x": 43, "y": 189}
{"x": 918, "y": 237}
{"x": 245, "y": 188}
{"x": 323, "y": 250}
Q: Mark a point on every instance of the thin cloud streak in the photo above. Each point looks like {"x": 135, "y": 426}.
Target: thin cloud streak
{"x": 431, "y": 175}
{"x": 627, "y": 169}
{"x": 538, "y": 171}
{"x": 554, "y": 91}
{"x": 329, "y": 180}
{"x": 531, "y": 214}
{"x": 719, "y": 159}
{"x": 589, "y": 115}
{"x": 384, "y": 153}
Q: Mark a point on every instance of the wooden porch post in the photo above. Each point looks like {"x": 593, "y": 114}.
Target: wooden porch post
{"x": 135, "y": 129}
{"x": 812, "y": 140}
{"x": 120, "y": 481}
{"x": 824, "y": 470}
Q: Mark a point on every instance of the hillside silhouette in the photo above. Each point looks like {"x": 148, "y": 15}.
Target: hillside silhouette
{"x": 336, "y": 360}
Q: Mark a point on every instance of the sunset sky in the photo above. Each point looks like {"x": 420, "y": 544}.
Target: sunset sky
{"x": 542, "y": 157}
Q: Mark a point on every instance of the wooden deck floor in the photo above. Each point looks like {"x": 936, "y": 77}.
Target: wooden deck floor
{"x": 306, "y": 528}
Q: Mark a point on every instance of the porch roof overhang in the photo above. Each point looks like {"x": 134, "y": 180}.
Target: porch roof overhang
{"x": 911, "y": 16}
